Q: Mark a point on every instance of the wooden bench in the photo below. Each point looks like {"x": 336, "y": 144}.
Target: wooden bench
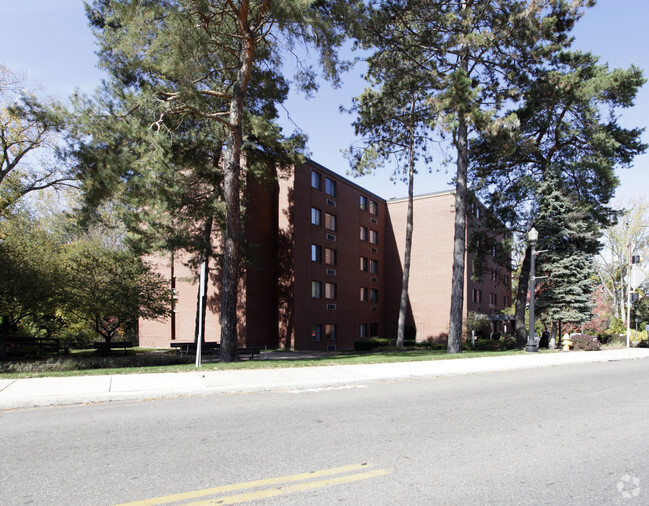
{"x": 248, "y": 351}
{"x": 105, "y": 348}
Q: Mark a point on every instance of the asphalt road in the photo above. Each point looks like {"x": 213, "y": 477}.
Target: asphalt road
{"x": 561, "y": 435}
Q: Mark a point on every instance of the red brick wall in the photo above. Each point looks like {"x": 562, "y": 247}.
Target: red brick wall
{"x": 431, "y": 262}
{"x": 276, "y": 308}
{"x": 349, "y": 311}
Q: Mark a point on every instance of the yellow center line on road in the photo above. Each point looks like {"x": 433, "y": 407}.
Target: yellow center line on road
{"x": 242, "y": 486}
{"x": 300, "y": 487}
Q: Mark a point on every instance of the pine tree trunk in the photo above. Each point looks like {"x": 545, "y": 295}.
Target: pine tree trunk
{"x": 403, "y": 307}
{"x": 521, "y": 301}
{"x": 459, "y": 241}
{"x": 231, "y": 190}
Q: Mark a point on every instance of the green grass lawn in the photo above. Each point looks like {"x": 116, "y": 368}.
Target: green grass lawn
{"x": 143, "y": 361}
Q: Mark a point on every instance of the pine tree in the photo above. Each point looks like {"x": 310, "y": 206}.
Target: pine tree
{"x": 394, "y": 115}
{"x": 568, "y": 127}
{"x": 568, "y": 239}
{"x": 475, "y": 52}
{"x": 216, "y": 63}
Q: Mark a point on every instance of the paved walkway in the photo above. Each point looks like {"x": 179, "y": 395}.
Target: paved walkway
{"x": 51, "y": 391}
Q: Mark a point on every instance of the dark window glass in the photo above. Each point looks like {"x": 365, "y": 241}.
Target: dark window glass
{"x": 316, "y": 253}
{"x": 316, "y": 216}
{"x": 330, "y": 290}
{"x": 363, "y": 233}
{"x": 330, "y": 187}
{"x": 330, "y": 222}
{"x": 363, "y": 203}
{"x": 331, "y": 256}
{"x": 316, "y": 289}
{"x": 364, "y": 330}
{"x": 315, "y": 180}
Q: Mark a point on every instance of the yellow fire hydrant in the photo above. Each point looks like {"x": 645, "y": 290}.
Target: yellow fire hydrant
{"x": 567, "y": 343}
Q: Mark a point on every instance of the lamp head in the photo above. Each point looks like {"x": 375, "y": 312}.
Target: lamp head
{"x": 533, "y": 235}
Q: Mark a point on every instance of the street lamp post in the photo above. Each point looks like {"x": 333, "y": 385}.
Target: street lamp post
{"x": 532, "y": 345}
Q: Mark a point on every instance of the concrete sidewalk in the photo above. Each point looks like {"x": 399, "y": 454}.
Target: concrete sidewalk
{"x": 51, "y": 391}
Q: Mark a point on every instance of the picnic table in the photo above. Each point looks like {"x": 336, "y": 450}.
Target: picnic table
{"x": 105, "y": 348}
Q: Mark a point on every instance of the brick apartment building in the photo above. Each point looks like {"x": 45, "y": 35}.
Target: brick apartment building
{"x": 324, "y": 268}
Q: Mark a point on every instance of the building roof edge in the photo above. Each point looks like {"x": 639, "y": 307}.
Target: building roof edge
{"x": 421, "y": 196}
{"x": 347, "y": 181}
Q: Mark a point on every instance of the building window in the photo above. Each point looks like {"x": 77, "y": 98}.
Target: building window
{"x": 373, "y": 208}
{"x": 316, "y": 289}
{"x": 315, "y": 180}
{"x": 506, "y": 301}
{"x": 316, "y": 332}
{"x": 374, "y": 266}
{"x": 363, "y": 233}
{"x": 364, "y": 263}
{"x": 330, "y": 290}
{"x": 363, "y": 202}
{"x": 493, "y": 299}
{"x": 374, "y": 237}
{"x": 331, "y": 256}
{"x": 374, "y": 295}
{"x": 364, "y": 330}
{"x": 330, "y": 222}
{"x": 316, "y": 253}
{"x": 374, "y": 330}
{"x": 316, "y": 216}
{"x": 330, "y": 332}
{"x": 477, "y": 296}
{"x": 330, "y": 187}
{"x": 364, "y": 294}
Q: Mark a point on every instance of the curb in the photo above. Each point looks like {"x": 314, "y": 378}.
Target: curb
{"x": 64, "y": 391}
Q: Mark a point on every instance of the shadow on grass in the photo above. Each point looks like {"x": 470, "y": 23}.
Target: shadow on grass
{"x": 149, "y": 361}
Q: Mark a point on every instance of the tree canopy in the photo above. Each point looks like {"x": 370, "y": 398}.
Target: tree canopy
{"x": 568, "y": 135}
{"x": 29, "y": 131}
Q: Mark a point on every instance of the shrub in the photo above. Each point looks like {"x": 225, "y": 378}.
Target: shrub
{"x": 585, "y": 342}
{"x": 487, "y": 345}
{"x": 363, "y": 345}
{"x": 613, "y": 341}
{"x": 508, "y": 343}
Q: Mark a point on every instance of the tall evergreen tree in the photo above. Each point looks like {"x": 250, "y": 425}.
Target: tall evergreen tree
{"x": 475, "y": 50}
{"x": 569, "y": 240}
{"x": 568, "y": 127}
{"x": 216, "y": 62}
{"x": 394, "y": 116}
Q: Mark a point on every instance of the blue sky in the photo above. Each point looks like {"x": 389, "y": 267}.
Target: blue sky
{"x": 51, "y": 42}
